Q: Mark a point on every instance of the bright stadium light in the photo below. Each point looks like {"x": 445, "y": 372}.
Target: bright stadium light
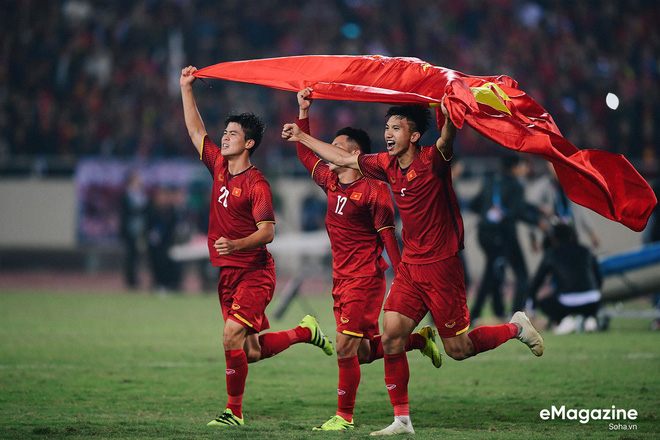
{"x": 612, "y": 101}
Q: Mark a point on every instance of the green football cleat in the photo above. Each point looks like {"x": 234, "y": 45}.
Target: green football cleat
{"x": 431, "y": 349}
{"x": 336, "y": 423}
{"x": 318, "y": 338}
{"x": 227, "y": 418}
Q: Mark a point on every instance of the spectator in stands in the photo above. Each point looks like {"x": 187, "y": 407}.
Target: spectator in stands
{"x": 83, "y": 77}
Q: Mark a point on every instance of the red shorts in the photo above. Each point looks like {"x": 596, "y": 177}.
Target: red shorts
{"x": 437, "y": 287}
{"x": 244, "y": 295}
{"x": 358, "y": 302}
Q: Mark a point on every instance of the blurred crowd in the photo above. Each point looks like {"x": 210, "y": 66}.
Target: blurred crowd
{"x": 81, "y": 78}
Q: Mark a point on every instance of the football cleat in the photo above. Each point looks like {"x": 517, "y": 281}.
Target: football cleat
{"x": 318, "y": 338}
{"x": 227, "y": 418}
{"x": 397, "y": 427}
{"x": 336, "y": 423}
{"x": 527, "y": 333}
{"x": 430, "y": 350}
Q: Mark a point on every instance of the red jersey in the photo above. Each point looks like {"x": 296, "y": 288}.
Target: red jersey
{"x": 238, "y": 204}
{"x": 432, "y": 222}
{"x": 356, "y": 213}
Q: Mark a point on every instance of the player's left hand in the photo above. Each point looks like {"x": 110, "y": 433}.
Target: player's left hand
{"x": 224, "y": 246}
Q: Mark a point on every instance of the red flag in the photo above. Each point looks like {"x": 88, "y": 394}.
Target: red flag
{"x": 494, "y": 106}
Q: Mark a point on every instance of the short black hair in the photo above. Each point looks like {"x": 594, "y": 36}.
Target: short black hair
{"x": 357, "y": 135}
{"x": 419, "y": 117}
{"x": 563, "y": 233}
{"x": 509, "y": 161}
{"x": 252, "y": 126}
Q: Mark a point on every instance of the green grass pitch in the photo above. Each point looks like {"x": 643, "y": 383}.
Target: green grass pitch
{"x": 138, "y": 366}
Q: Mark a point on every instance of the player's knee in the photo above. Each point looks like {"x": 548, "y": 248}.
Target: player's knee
{"x": 253, "y": 356}
{"x": 459, "y": 352}
{"x": 344, "y": 351}
{"x": 393, "y": 343}
{"x": 232, "y": 341}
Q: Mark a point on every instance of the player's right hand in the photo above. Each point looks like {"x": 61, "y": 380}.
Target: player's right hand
{"x": 187, "y": 77}
{"x": 291, "y": 132}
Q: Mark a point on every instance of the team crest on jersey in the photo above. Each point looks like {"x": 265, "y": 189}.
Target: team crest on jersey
{"x": 411, "y": 175}
{"x": 236, "y": 192}
{"x": 220, "y": 177}
{"x": 333, "y": 187}
{"x": 356, "y": 196}
{"x": 235, "y": 306}
{"x": 450, "y": 324}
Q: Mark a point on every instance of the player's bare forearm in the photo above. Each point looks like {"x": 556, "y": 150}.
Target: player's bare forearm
{"x": 445, "y": 143}
{"x": 261, "y": 237}
{"x": 329, "y": 152}
{"x": 194, "y": 123}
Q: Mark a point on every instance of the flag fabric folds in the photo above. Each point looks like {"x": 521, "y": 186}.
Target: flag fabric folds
{"x": 494, "y": 106}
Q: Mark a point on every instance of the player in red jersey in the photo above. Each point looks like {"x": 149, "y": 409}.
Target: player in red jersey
{"x": 430, "y": 276}
{"x": 359, "y": 221}
{"x": 241, "y": 223}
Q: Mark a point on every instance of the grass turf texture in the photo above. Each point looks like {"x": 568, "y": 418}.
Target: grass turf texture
{"x": 138, "y": 366}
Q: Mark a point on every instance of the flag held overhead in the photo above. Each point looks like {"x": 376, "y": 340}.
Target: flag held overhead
{"x": 494, "y": 106}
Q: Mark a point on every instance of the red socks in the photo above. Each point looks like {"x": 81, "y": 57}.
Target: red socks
{"x": 237, "y": 369}
{"x": 349, "y": 380}
{"x": 486, "y": 338}
{"x": 396, "y": 381}
{"x": 415, "y": 342}
{"x": 276, "y": 342}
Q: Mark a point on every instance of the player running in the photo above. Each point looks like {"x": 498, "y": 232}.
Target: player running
{"x": 359, "y": 221}
{"x": 430, "y": 276}
{"x": 241, "y": 223}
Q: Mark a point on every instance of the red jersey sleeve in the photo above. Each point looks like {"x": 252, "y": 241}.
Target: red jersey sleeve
{"x": 388, "y": 237}
{"x": 382, "y": 207}
{"x": 210, "y": 153}
{"x": 382, "y": 213}
{"x": 438, "y": 164}
{"x": 306, "y": 156}
{"x": 371, "y": 165}
{"x": 317, "y": 168}
{"x": 262, "y": 202}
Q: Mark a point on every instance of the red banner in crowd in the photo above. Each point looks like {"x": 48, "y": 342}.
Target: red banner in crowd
{"x": 494, "y": 106}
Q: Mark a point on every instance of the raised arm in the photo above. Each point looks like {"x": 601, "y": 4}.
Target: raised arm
{"x": 445, "y": 143}
{"x": 194, "y": 123}
{"x": 292, "y": 133}
{"x": 306, "y": 156}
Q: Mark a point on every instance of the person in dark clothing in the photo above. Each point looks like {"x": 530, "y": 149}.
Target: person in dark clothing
{"x": 133, "y": 223}
{"x": 501, "y": 204}
{"x": 576, "y": 281}
{"x": 161, "y": 230}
